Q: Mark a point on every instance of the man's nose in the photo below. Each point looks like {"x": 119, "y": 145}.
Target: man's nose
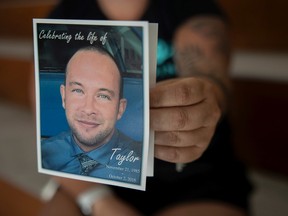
{"x": 89, "y": 106}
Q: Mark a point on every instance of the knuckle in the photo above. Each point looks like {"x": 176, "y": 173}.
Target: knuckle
{"x": 177, "y": 155}
{"x": 204, "y": 143}
{"x": 213, "y": 116}
{"x": 216, "y": 114}
{"x": 181, "y": 119}
{"x": 183, "y": 93}
{"x": 173, "y": 138}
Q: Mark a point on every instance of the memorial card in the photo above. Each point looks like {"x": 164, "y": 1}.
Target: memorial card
{"x": 92, "y": 99}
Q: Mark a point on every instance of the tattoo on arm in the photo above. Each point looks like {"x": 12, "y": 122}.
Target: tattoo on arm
{"x": 207, "y": 45}
{"x": 188, "y": 60}
{"x": 212, "y": 30}
{"x": 204, "y": 52}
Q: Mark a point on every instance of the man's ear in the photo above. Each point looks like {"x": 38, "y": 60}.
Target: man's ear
{"x": 122, "y": 107}
{"x": 62, "y": 92}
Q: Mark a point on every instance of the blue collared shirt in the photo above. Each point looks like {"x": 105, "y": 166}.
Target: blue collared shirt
{"x": 120, "y": 159}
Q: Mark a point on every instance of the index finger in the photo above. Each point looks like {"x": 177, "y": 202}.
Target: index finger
{"x": 177, "y": 92}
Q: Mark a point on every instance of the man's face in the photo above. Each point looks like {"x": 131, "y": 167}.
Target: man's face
{"x": 91, "y": 98}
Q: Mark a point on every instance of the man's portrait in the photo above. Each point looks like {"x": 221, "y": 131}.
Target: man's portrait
{"x": 98, "y": 98}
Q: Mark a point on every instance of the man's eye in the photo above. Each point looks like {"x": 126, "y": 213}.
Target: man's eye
{"x": 105, "y": 97}
{"x": 79, "y": 91}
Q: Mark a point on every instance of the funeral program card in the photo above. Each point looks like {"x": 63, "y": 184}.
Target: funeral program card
{"x": 92, "y": 91}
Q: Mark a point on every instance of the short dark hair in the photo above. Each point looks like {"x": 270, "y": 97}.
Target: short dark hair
{"x": 101, "y": 50}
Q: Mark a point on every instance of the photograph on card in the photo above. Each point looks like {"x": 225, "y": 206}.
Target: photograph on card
{"x": 92, "y": 99}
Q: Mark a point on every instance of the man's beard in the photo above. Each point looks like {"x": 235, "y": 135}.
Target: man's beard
{"x": 95, "y": 141}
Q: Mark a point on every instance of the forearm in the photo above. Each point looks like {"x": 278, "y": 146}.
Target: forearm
{"x": 202, "y": 50}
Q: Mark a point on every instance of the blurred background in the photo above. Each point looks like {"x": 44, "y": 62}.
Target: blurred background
{"x": 259, "y": 69}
